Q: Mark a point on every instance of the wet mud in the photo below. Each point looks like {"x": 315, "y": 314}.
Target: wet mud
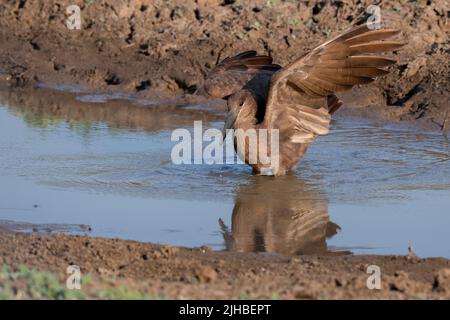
{"x": 200, "y": 273}
{"x": 165, "y": 48}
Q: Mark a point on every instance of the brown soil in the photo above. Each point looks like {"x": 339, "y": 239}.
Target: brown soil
{"x": 201, "y": 273}
{"x": 165, "y": 48}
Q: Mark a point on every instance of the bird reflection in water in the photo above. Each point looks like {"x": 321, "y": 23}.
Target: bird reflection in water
{"x": 280, "y": 215}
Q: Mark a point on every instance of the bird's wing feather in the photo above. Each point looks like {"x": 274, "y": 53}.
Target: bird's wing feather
{"x": 301, "y": 95}
{"x": 232, "y": 73}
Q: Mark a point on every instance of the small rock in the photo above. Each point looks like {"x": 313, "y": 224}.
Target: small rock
{"x": 338, "y": 283}
{"x": 295, "y": 260}
{"x": 5, "y": 77}
{"x": 156, "y": 255}
{"x": 400, "y": 282}
{"x": 220, "y": 263}
{"x": 414, "y": 66}
{"x": 206, "y": 274}
{"x": 104, "y": 271}
{"x": 164, "y": 252}
{"x": 205, "y": 249}
{"x": 442, "y": 281}
{"x": 170, "y": 251}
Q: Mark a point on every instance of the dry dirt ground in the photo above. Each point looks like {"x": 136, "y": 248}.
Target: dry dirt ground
{"x": 200, "y": 273}
{"x": 155, "y": 47}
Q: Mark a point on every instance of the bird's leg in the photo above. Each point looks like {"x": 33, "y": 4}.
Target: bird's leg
{"x": 333, "y": 103}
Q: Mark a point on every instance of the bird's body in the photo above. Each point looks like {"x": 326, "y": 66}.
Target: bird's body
{"x": 293, "y": 220}
{"x": 288, "y": 153}
{"x": 294, "y": 104}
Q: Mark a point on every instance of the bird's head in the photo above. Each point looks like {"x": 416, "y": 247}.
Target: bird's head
{"x": 238, "y": 105}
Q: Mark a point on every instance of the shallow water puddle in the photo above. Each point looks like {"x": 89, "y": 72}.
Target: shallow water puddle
{"x": 70, "y": 161}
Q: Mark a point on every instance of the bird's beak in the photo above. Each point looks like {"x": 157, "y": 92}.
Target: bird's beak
{"x": 229, "y": 122}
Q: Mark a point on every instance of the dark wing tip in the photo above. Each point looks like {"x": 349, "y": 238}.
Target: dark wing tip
{"x": 247, "y": 61}
{"x": 242, "y": 55}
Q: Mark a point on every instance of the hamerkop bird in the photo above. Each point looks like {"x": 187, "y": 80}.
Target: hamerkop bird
{"x": 293, "y": 220}
{"x": 298, "y": 99}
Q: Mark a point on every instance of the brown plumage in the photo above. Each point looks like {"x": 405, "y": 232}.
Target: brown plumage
{"x": 233, "y": 73}
{"x": 298, "y": 99}
{"x": 293, "y": 220}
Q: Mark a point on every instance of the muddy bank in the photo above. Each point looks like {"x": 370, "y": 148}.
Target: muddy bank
{"x": 160, "y": 48}
{"x": 51, "y": 228}
{"x": 201, "y": 273}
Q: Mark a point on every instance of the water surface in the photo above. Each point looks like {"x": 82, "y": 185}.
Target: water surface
{"x": 102, "y": 160}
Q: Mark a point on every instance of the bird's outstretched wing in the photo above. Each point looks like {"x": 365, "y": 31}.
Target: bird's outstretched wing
{"x": 232, "y": 73}
{"x": 301, "y": 95}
